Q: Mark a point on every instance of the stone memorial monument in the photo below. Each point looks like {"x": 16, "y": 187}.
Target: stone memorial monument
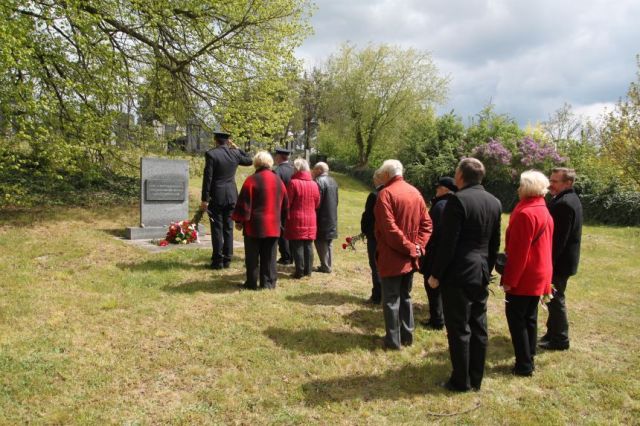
{"x": 164, "y": 197}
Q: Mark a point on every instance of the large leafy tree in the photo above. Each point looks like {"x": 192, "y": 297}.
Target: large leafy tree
{"x": 621, "y": 132}
{"x": 69, "y": 69}
{"x": 372, "y": 89}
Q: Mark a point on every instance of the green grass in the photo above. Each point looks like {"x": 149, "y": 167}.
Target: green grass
{"x": 93, "y": 330}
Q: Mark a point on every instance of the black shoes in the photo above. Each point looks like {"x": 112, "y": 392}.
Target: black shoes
{"x": 428, "y": 324}
{"x": 452, "y": 388}
{"x": 516, "y": 372}
{"x": 322, "y": 270}
{"x": 372, "y": 301}
{"x": 551, "y": 346}
{"x": 282, "y": 261}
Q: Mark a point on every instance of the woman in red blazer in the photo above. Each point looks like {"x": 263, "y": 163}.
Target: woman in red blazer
{"x": 528, "y": 270}
{"x": 301, "y": 227}
{"x": 261, "y": 204}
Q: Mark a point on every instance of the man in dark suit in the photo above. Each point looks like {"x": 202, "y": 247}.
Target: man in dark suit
{"x": 284, "y": 169}
{"x": 566, "y": 210}
{"x": 220, "y": 193}
{"x": 445, "y": 188}
{"x": 367, "y": 227}
{"x": 462, "y": 268}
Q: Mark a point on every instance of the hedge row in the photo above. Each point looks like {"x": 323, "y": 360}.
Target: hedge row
{"x": 610, "y": 208}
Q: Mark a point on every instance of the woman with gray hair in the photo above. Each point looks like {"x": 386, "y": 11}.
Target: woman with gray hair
{"x": 261, "y": 203}
{"x": 528, "y": 269}
{"x": 301, "y": 226}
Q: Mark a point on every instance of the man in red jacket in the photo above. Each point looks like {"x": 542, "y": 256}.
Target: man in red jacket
{"x": 402, "y": 229}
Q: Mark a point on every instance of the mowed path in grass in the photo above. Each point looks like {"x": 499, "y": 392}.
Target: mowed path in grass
{"x": 93, "y": 330}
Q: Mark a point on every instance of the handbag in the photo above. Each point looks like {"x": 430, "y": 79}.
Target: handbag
{"x": 501, "y": 259}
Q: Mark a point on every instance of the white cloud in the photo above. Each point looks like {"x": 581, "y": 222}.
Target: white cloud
{"x": 527, "y": 57}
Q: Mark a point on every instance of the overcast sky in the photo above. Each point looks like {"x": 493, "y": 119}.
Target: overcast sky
{"x": 527, "y": 57}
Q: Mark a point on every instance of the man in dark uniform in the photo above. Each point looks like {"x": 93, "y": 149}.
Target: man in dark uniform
{"x": 462, "y": 268}
{"x": 566, "y": 211}
{"x": 220, "y": 193}
{"x": 284, "y": 170}
{"x": 445, "y": 188}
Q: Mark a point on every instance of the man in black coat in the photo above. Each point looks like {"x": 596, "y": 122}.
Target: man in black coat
{"x": 284, "y": 169}
{"x": 220, "y": 193}
{"x": 326, "y": 215}
{"x": 445, "y": 188}
{"x": 367, "y": 227}
{"x": 462, "y": 268}
{"x": 566, "y": 210}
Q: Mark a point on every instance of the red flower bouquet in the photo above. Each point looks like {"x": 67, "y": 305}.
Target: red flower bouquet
{"x": 351, "y": 241}
{"x": 183, "y": 232}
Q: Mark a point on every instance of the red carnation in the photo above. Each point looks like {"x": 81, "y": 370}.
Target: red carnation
{"x": 344, "y": 246}
{"x": 163, "y": 243}
{"x": 349, "y": 239}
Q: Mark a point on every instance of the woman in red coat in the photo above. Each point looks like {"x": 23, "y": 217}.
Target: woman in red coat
{"x": 261, "y": 204}
{"x": 300, "y": 228}
{"x": 528, "y": 270}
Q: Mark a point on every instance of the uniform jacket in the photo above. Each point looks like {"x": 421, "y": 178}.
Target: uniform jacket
{"x": 327, "y": 213}
{"x": 528, "y": 247}
{"x": 470, "y": 238}
{"x": 219, "y": 179}
{"x": 304, "y": 200}
{"x": 262, "y": 200}
{"x": 566, "y": 211}
{"x": 285, "y": 171}
{"x": 435, "y": 213}
{"x": 401, "y": 223}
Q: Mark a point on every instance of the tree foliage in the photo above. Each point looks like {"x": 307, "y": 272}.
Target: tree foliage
{"x": 70, "y": 69}
{"x": 621, "y": 131}
{"x": 374, "y": 88}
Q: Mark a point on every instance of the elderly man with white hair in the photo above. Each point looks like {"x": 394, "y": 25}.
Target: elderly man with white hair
{"x": 326, "y": 215}
{"x": 402, "y": 229}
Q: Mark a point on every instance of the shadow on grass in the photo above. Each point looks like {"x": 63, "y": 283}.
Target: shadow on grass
{"x": 366, "y": 319}
{"x": 219, "y": 284}
{"x": 392, "y": 385}
{"x": 326, "y": 299}
{"x": 321, "y": 341}
{"x": 161, "y": 265}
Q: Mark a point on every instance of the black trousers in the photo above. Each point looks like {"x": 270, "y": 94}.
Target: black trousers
{"x": 558, "y": 322}
{"x": 283, "y": 246}
{"x": 522, "y": 317}
{"x": 302, "y": 252}
{"x": 465, "y": 317}
{"x": 436, "y": 316}
{"x": 398, "y": 310}
{"x": 221, "y": 234}
{"x": 260, "y": 261}
{"x": 376, "y": 290}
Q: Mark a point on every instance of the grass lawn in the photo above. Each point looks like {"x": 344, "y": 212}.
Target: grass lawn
{"x": 93, "y": 330}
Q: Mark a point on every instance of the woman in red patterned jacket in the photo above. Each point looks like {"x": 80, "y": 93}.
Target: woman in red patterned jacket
{"x": 301, "y": 228}
{"x": 527, "y": 272}
{"x": 261, "y": 205}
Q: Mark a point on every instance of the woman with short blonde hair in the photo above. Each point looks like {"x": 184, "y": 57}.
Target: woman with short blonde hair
{"x": 528, "y": 269}
{"x": 262, "y": 202}
{"x": 533, "y": 184}
{"x": 262, "y": 159}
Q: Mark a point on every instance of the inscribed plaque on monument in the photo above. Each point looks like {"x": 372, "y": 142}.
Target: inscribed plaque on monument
{"x": 168, "y": 188}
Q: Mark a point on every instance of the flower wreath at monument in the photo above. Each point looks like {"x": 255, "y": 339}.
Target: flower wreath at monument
{"x": 183, "y": 232}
